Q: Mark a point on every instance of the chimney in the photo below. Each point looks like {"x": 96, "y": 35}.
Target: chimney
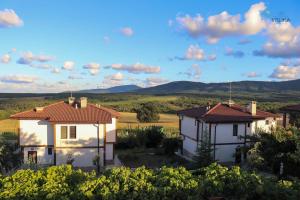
{"x": 39, "y": 109}
{"x": 208, "y": 106}
{"x": 252, "y": 107}
{"x": 71, "y": 100}
{"x": 83, "y": 102}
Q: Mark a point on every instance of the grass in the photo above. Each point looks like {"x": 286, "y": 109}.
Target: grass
{"x": 150, "y": 158}
{"x": 8, "y": 125}
{"x": 128, "y": 120}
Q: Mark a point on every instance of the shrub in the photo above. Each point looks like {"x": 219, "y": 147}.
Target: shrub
{"x": 147, "y": 112}
{"x": 154, "y": 136}
{"x": 170, "y": 145}
{"x": 140, "y": 137}
{"x": 64, "y": 183}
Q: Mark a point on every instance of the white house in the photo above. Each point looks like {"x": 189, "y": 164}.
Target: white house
{"x": 68, "y": 130}
{"x": 224, "y": 126}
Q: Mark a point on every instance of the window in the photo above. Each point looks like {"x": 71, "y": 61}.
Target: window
{"x": 49, "y": 151}
{"x": 72, "y": 132}
{"x": 248, "y": 125}
{"x": 235, "y": 129}
{"x": 63, "y": 132}
{"x": 267, "y": 122}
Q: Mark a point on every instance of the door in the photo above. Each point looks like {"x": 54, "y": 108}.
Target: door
{"x": 32, "y": 156}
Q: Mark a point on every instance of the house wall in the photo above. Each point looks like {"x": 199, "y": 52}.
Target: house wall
{"x": 42, "y": 155}
{"x": 109, "y": 151}
{"x": 111, "y": 131}
{"x": 261, "y": 125}
{"x": 86, "y": 135}
{"x": 83, "y": 157}
{"x": 36, "y": 132}
{"x": 189, "y": 127}
{"x": 38, "y": 135}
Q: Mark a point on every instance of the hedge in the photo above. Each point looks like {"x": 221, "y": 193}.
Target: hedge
{"x": 63, "y": 183}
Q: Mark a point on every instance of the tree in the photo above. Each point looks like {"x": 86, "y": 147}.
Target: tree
{"x": 203, "y": 155}
{"x": 9, "y": 155}
{"x": 147, "y": 113}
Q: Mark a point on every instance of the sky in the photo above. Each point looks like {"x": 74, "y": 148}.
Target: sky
{"x": 62, "y": 45}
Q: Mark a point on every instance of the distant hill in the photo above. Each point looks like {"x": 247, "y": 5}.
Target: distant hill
{"x": 241, "y": 86}
{"x": 116, "y": 89}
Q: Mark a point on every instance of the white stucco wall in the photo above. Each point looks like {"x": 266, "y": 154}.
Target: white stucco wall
{"x": 225, "y": 133}
{"x": 189, "y": 145}
{"x": 36, "y": 132}
{"x": 109, "y": 150}
{"x": 83, "y": 157}
{"x": 111, "y": 131}
{"x": 86, "y": 135}
{"x": 189, "y": 127}
{"x": 225, "y": 153}
{"x": 42, "y": 155}
{"x": 261, "y": 125}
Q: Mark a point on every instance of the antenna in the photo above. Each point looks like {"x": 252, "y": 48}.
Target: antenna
{"x": 71, "y": 93}
{"x": 229, "y": 91}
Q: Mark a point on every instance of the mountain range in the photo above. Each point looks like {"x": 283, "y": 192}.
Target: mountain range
{"x": 199, "y": 87}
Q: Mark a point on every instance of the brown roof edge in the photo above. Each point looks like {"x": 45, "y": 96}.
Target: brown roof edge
{"x": 111, "y": 111}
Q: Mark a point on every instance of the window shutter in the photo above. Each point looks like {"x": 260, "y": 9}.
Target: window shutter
{"x": 72, "y": 132}
{"x": 63, "y": 132}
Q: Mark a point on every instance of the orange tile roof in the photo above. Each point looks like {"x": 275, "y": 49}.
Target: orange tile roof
{"x": 62, "y": 112}
{"x": 222, "y": 113}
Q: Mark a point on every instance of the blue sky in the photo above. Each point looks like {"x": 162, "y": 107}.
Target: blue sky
{"x": 58, "y": 45}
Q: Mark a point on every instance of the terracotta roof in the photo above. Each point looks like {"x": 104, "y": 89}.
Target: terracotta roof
{"x": 225, "y": 113}
{"x": 62, "y": 112}
{"x": 292, "y": 108}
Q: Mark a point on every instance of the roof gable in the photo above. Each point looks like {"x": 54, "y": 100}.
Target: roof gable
{"x": 62, "y": 112}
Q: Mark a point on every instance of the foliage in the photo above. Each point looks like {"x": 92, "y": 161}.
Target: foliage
{"x": 271, "y": 149}
{"x": 63, "y": 183}
{"x": 147, "y": 112}
{"x": 151, "y": 136}
{"x": 295, "y": 119}
{"x": 204, "y": 151}
{"x": 170, "y": 145}
{"x": 9, "y": 156}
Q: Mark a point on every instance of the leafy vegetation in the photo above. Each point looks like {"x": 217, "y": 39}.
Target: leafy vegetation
{"x": 272, "y": 149}
{"x": 147, "y": 112}
{"x": 9, "y": 156}
{"x": 63, "y": 183}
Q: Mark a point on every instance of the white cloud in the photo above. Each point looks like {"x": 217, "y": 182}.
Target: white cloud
{"x": 55, "y": 70}
{"x": 251, "y": 74}
{"x": 40, "y": 66}
{"x": 117, "y": 77}
{"x": 8, "y": 18}
{"x": 284, "y": 41}
{"x": 5, "y": 58}
{"x": 93, "y": 68}
{"x": 194, "y": 52}
{"x": 136, "y": 68}
{"x": 193, "y": 72}
{"x": 127, "y": 31}
{"x": 223, "y": 24}
{"x": 68, "y": 65}
{"x": 286, "y": 72}
{"x": 28, "y": 57}
{"x": 234, "y": 53}
{"x": 154, "y": 81}
{"x": 74, "y": 77}
{"x": 20, "y": 79}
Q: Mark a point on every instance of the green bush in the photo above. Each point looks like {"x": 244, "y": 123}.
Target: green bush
{"x": 170, "y": 145}
{"x": 151, "y": 136}
{"x": 147, "y": 112}
{"x": 64, "y": 183}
